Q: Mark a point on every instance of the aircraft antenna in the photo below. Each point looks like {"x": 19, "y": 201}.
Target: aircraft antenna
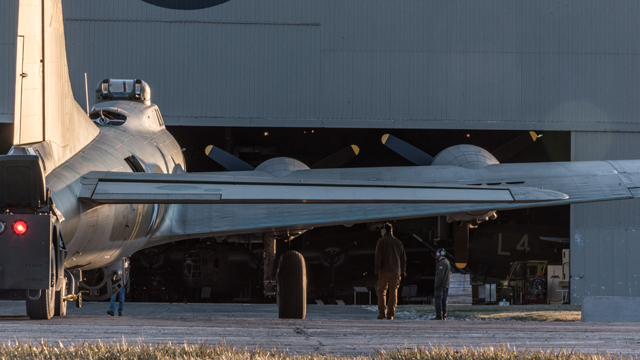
{"x": 86, "y": 92}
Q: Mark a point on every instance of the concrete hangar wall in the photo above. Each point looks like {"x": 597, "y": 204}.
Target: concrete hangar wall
{"x": 565, "y": 65}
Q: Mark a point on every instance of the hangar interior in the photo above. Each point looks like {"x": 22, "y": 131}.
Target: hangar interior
{"x": 304, "y": 79}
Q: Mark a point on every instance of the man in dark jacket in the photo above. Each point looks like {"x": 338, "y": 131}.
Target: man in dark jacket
{"x": 443, "y": 271}
{"x": 391, "y": 263}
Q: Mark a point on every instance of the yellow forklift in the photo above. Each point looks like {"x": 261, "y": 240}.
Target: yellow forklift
{"x": 526, "y": 284}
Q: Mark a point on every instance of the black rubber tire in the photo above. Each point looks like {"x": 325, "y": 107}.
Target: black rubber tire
{"x": 43, "y": 308}
{"x": 292, "y": 286}
{"x": 61, "y": 305}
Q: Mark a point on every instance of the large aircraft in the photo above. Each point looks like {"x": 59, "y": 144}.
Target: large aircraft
{"x": 81, "y": 192}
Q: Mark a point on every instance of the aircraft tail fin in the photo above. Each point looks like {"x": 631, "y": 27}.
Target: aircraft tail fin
{"x": 45, "y": 110}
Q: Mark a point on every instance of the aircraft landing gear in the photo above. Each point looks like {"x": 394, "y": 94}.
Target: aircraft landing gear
{"x": 72, "y": 289}
{"x": 292, "y": 286}
{"x": 269, "y": 259}
{"x": 61, "y": 303}
{"x": 290, "y": 283}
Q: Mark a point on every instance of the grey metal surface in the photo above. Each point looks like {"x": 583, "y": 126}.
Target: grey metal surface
{"x": 561, "y": 65}
{"x": 241, "y": 61}
{"x": 605, "y": 237}
{"x": 611, "y": 309}
{"x": 8, "y": 35}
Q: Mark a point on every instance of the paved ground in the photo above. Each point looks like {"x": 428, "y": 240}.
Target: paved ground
{"x": 340, "y": 330}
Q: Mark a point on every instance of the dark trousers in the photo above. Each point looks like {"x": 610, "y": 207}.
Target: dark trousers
{"x": 391, "y": 281}
{"x": 440, "y": 302}
{"x": 120, "y": 295}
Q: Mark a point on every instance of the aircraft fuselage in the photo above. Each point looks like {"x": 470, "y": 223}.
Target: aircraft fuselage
{"x": 98, "y": 235}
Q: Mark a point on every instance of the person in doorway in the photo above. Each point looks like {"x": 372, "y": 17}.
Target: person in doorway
{"x": 120, "y": 294}
{"x": 443, "y": 272}
{"x": 391, "y": 264}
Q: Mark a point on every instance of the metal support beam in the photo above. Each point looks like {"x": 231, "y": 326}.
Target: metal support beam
{"x": 269, "y": 260}
{"x": 461, "y": 243}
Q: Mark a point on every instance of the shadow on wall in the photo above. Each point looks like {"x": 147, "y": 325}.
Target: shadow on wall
{"x": 6, "y": 138}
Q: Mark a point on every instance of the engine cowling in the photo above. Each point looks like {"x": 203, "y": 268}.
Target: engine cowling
{"x": 468, "y": 156}
{"x": 281, "y": 166}
{"x": 473, "y": 216}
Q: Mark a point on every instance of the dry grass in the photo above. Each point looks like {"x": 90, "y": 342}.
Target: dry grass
{"x": 488, "y": 353}
{"x": 533, "y": 316}
{"x": 143, "y": 351}
{"x": 495, "y": 312}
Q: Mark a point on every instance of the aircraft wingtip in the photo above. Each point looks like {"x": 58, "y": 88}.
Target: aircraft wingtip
{"x": 207, "y": 150}
{"x": 384, "y": 138}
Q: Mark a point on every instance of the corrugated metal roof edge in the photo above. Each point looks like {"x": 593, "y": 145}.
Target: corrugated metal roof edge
{"x": 401, "y": 124}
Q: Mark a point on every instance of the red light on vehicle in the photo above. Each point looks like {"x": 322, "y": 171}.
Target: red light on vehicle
{"x": 20, "y": 227}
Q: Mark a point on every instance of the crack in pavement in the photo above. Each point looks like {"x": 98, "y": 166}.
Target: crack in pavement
{"x": 302, "y": 332}
{"x": 308, "y": 336}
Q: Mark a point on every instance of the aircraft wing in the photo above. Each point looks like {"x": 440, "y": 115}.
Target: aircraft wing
{"x": 149, "y": 188}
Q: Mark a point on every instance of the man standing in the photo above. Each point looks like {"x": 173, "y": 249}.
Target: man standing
{"x": 120, "y": 294}
{"x": 391, "y": 262}
{"x": 443, "y": 270}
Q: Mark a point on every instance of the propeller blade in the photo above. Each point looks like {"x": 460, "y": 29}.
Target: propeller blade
{"x": 336, "y": 159}
{"x": 407, "y": 150}
{"x": 227, "y": 160}
{"x": 510, "y": 149}
{"x": 433, "y": 251}
{"x": 347, "y": 248}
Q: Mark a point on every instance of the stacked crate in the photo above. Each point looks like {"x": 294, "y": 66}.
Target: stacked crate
{"x": 460, "y": 289}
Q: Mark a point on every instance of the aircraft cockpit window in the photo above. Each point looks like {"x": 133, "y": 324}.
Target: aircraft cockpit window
{"x": 159, "y": 116}
{"x": 134, "y": 164}
{"x": 107, "y": 117}
{"x": 121, "y": 87}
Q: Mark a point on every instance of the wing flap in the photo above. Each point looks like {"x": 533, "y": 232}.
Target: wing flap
{"x": 126, "y": 188}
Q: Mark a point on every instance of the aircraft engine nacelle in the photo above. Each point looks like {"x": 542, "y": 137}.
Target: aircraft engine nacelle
{"x": 102, "y": 283}
{"x": 470, "y": 157}
{"x": 467, "y": 156}
{"x": 473, "y": 216}
{"x": 281, "y": 166}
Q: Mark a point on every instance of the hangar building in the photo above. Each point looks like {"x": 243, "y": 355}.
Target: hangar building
{"x": 562, "y": 65}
